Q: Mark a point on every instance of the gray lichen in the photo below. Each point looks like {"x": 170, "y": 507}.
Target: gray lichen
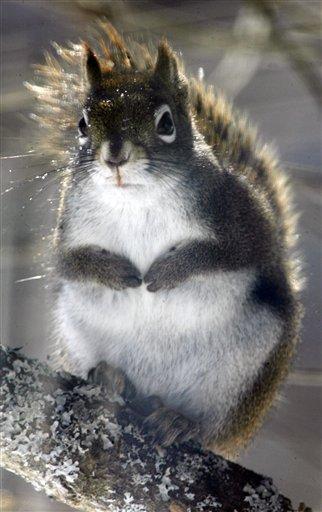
{"x": 65, "y": 437}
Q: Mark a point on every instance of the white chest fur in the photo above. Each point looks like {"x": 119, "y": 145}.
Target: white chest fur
{"x": 138, "y": 222}
{"x": 198, "y": 346}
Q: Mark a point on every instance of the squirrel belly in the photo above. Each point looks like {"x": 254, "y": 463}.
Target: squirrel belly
{"x": 198, "y": 347}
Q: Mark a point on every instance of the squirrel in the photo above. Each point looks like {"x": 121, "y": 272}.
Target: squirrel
{"x": 178, "y": 285}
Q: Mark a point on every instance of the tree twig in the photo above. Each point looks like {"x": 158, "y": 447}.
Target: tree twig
{"x": 294, "y": 51}
{"x": 66, "y": 438}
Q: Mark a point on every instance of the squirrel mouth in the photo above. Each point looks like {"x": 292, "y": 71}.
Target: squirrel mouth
{"x": 119, "y": 180}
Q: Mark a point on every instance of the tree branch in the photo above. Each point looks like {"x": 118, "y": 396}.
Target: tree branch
{"x": 294, "y": 50}
{"x": 64, "y": 436}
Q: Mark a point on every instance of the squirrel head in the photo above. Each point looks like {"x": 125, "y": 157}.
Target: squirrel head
{"x": 137, "y": 123}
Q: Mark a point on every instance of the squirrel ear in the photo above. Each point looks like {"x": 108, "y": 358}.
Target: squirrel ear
{"x": 166, "y": 66}
{"x": 93, "y": 68}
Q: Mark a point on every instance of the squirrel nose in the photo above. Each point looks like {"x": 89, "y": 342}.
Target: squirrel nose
{"x": 114, "y": 154}
{"x": 116, "y": 161}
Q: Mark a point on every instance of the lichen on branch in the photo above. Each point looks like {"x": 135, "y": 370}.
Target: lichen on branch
{"x": 68, "y": 439}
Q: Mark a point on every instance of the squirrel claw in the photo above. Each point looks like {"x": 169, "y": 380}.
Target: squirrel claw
{"x": 156, "y": 281}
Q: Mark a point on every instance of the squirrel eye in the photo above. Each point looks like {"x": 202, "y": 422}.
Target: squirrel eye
{"x": 82, "y": 128}
{"x": 164, "y": 124}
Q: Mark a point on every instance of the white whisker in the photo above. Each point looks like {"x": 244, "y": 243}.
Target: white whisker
{"x": 9, "y": 157}
{"x": 32, "y": 278}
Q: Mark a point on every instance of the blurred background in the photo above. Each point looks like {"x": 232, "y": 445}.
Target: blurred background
{"x": 265, "y": 56}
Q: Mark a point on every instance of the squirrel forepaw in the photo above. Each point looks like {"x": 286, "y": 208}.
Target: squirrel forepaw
{"x": 166, "y": 272}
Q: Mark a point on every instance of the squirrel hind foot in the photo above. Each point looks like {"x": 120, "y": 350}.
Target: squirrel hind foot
{"x": 113, "y": 381}
{"x": 167, "y": 427}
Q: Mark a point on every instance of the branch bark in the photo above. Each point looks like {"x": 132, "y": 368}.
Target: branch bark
{"x": 65, "y": 437}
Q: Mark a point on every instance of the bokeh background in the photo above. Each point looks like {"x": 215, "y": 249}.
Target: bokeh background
{"x": 265, "y": 55}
